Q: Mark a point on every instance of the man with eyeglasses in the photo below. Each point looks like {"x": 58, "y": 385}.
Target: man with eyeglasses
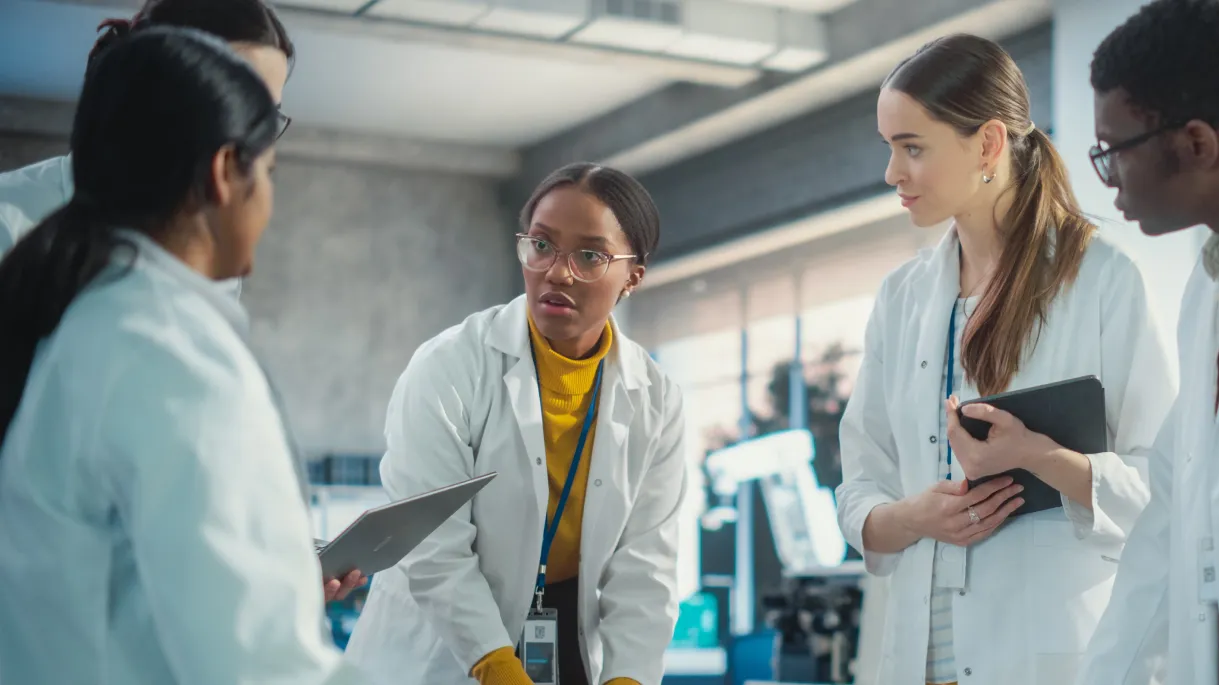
{"x": 1157, "y": 114}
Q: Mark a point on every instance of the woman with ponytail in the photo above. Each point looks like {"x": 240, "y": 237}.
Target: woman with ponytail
{"x": 150, "y": 517}
{"x": 1020, "y": 292}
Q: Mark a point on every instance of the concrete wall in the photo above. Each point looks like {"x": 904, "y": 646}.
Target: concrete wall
{"x": 359, "y": 266}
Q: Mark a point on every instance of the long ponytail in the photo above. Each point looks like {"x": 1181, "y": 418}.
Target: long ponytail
{"x": 39, "y": 279}
{"x": 1045, "y": 237}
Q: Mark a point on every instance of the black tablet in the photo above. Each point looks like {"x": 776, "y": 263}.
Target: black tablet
{"x": 1070, "y": 412}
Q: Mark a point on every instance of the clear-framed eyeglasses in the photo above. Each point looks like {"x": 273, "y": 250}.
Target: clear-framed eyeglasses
{"x": 539, "y": 254}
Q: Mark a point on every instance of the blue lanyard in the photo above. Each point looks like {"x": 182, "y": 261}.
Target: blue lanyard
{"x": 553, "y": 527}
{"x": 952, "y": 369}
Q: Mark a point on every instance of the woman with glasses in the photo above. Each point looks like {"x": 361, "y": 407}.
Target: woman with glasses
{"x": 1020, "y": 292}
{"x": 151, "y": 523}
{"x": 251, "y": 28}
{"x": 585, "y": 434}
{"x": 255, "y": 33}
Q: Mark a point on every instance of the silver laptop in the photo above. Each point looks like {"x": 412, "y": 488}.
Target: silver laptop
{"x": 381, "y": 536}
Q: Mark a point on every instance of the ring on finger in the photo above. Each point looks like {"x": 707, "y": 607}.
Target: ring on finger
{"x": 973, "y": 516}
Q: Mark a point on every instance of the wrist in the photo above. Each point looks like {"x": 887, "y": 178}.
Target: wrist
{"x": 1040, "y": 460}
{"x": 901, "y": 518}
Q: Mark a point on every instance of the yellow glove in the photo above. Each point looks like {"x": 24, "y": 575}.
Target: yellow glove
{"x": 500, "y": 667}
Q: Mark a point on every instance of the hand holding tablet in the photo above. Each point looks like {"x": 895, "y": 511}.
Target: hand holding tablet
{"x": 1070, "y": 413}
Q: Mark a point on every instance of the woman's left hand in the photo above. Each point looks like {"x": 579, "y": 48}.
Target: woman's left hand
{"x": 337, "y": 589}
{"x": 1010, "y": 445}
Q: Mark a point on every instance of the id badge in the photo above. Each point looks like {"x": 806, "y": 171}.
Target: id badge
{"x": 539, "y": 647}
{"x": 1208, "y": 568}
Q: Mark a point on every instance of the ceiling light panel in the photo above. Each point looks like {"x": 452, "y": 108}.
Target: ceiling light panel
{"x": 644, "y": 25}
{"x": 810, "y": 6}
{"x": 730, "y": 32}
{"x": 551, "y": 19}
{"x": 803, "y": 43}
{"x": 445, "y": 12}
{"x": 344, "y": 6}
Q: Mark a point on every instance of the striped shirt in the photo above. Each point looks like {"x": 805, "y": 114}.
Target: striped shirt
{"x": 941, "y": 661}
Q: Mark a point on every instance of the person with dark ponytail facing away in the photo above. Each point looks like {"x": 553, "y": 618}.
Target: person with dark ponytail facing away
{"x": 150, "y": 517}
{"x": 1020, "y": 292}
{"x": 254, "y": 33}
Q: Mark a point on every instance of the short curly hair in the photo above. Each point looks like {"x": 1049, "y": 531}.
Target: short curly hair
{"x": 1166, "y": 57}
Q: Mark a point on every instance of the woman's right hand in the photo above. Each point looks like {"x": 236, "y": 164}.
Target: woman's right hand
{"x": 953, "y": 513}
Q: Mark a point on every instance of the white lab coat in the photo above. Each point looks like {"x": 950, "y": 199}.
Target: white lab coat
{"x": 1034, "y": 590}
{"x": 150, "y": 519}
{"x": 29, "y": 194}
{"x": 1157, "y": 600}
{"x": 467, "y": 405}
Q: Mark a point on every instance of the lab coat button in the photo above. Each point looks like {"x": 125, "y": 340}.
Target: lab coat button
{"x": 969, "y": 671}
{"x": 961, "y": 593}
{"x": 933, "y": 439}
{"x": 597, "y": 482}
{"x": 1202, "y": 617}
{"x": 923, "y": 365}
{"x": 539, "y": 461}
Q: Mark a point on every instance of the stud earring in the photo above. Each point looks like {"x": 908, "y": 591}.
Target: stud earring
{"x": 987, "y": 179}
{"x": 626, "y": 294}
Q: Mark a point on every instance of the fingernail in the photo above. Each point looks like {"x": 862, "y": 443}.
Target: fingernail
{"x": 1019, "y": 488}
{"x": 1020, "y": 501}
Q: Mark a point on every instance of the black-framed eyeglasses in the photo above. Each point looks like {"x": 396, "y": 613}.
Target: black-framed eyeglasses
{"x": 539, "y": 254}
{"x": 1102, "y": 157}
{"x": 282, "y": 122}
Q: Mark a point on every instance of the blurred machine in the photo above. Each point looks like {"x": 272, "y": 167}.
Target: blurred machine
{"x": 812, "y": 617}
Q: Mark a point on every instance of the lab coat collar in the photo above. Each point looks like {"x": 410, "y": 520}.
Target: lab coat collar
{"x": 1210, "y": 256}
{"x": 152, "y": 254}
{"x": 509, "y": 334}
{"x": 65, "y": 171}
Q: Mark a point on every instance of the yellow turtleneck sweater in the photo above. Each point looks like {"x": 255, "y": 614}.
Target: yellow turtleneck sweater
{"x": 566, "y": 386}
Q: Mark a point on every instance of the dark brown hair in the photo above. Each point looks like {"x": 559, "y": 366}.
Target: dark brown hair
{"x": 233, "y": 21}
{"x": 966, "y": 81}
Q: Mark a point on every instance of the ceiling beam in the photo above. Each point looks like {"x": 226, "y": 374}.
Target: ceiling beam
{"x": 867, "y": 38}
{"x": 27, "y": 116}
{"x": 760, "y": 193}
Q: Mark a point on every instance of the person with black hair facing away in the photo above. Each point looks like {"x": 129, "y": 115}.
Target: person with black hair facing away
{"x": 149, "y": 508}
{"x": 586, "y": 435}
{"x": 1020, "y": 292}
{"x": 1157, "y": 127}
{"x": 256, "y": 34}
